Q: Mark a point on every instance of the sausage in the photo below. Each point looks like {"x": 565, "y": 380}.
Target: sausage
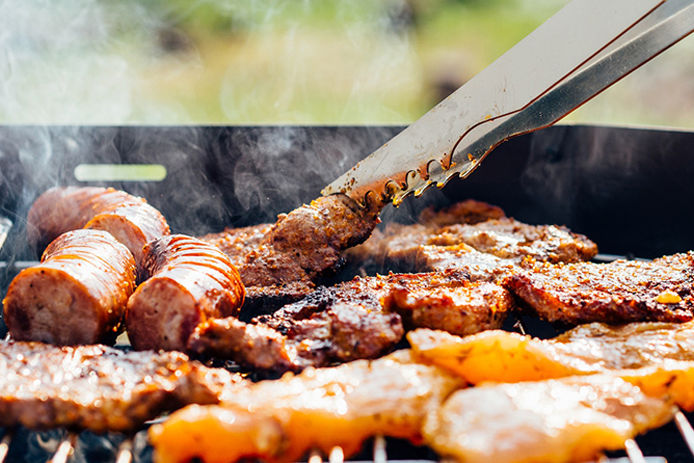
{"x": 77, "y": 294}
{"x": 189, "y": 282}
{"x": 128, "y": 218}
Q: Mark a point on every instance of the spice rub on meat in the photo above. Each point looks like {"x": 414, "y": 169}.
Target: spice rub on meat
{"x": 616, "y": 292}
{"x": 99, "y": 388}
{"x": 362, "y": 318}
{"x": 281, "y": 263}
{"x": 470, "y": 236}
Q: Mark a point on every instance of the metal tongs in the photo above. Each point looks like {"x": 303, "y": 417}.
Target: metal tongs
{"x": 580, "y": 51}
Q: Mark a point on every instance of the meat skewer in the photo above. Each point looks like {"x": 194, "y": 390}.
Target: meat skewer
{"x": 189, "y": 282}
{"x": 76, "y": 295}
{"x": 131, "y": 220}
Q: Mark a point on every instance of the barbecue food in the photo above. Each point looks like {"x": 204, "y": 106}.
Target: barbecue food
{"x": 362, "y": 318}
{"x": 570, "y": 419}
{"x": 76, "y": 295}
{"x": 99, "y": 388}
{"x": 320, "y": 408}
{"x": 130, "y": 219}
{"x": 509, "y": 357}
{"x": 470, "y": 236}
{"x": 297, "y": 250}
{"x": 617, "y": 292}
{"x": 189, "y": 281}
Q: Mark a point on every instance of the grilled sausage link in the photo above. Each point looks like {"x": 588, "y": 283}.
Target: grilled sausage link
{"x": 190, "y": 282}
{"x": 76, "y": 295}
{"x": 128, "y": 218}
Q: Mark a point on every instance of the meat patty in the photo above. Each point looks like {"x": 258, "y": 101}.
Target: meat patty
{"x": 128, "y": 218}
{"x": 76, "y": 295}
{"x": 616, "y": 292}
{"x": 362, "y": 318}
{"x": 189, "y": 281}
{"x": 99, "y": 388}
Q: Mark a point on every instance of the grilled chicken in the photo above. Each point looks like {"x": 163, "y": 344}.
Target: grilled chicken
{"x": 76, "y": 295}
{"x": 318, "y": 409}
{"x": 617, "y": 292}
{"x": 281, "y": 262}
{"x": 99, "y": 388}
{"x": 189, "y": 281}
{"x": 362, "y": 318}
{"x": 128, "y": 218}
{"x": 569, "y": 419}
{"x": 502, "y": 356}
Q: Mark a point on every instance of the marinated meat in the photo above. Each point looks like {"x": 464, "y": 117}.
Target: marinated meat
{"x": 616, "y": 292}
{"x": 189, "y": 282}
{"x": 502, "y": 356}
{"x": 362, "y": 318}
{"x": 468, "y": 211}
{"x": 99, "y": 388}
{"x": 76, "y": 295}
{"x": 569, "y": 419}
{"x": 318, "y": 409}
{"x": 282, "y": 262}
{"x": 128, "y": 218}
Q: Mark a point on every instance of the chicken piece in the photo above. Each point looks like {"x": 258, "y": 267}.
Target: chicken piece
{"x": 100, "y": 388}
{"x": 76, "y": 295}
{"x": 362, "y": 318}
{"x": 189, "y": 281}
{"x": 318, "y": 409}
{"x": 616, "y": 292}
{"x": 510, "y": 357}
{"x": 569, "y": 419}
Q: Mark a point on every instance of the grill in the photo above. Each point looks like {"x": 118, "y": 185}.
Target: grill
{"x": 626, "y": 188}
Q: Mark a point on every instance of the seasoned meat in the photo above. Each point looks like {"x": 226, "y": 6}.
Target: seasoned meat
{"x": 189, "y": 281}
{"x": 128, "y": 218}
{"x": 318, "y": 409}
{"x": 593, "y": 348}
{"x": 617, "y": 292}
{"x": 470, "y": 236}
{"x": 362, "y": 318}
{"x": 281, "y": 263}
{"x": 570, "y": 419}
{"x": 76, "y": 295}
{"x": 99, "y": 388}
{"x": 670, "y": 378}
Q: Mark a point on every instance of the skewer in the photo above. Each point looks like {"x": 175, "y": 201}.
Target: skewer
{"x": 314, "y": 457}
{"x": 685, "y": 429}
{"x": 634, "y": 452}
{"x": 337, "y": 455}
{"x": 5, "y": 445}
{"x": 380, "y": 455}
{"x": 125, "y": 451}
{"x": 64, "y": 450}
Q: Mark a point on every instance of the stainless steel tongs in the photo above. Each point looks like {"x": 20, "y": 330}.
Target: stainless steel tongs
{"x": 577, "y": 53}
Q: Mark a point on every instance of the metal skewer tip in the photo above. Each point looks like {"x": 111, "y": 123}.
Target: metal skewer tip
{"x": 380, "y": 450}
{"x": 64, "y": 450}
{"x": 337, "y": 455}
{"x": 5, "y": 446}
{"x": 634, "y": 452}
{"x": 314, "y": 457}
{"x": 685, "y": 429}
{"x": 125, "y": 452}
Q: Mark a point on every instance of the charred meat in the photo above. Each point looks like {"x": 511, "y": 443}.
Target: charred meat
{"x": 617, "y": 292}
{"x": 189, "y": 281}
{"x": 76, "y": 295}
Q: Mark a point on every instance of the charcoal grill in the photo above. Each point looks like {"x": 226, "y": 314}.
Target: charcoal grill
{"x": 628, "y": 189}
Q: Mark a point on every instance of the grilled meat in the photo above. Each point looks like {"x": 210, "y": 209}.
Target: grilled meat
{"x": 362, "y": 318}
{"x": 76, "y": 295}
{"x": 281, "y": 262}
{"x": 128, "y": 218}
{"x": 570, "y": 419}
{"x": 594, "y": 348}
{"x": 617, "y": 292}
{"x": 189, "y": 281}
{"x": 99, "y": 388}
{"x": 320, "y": 408}
{"x": 670, "y": 378}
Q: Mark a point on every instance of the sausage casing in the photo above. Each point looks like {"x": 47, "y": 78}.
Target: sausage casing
{"x": 189, "y": 282}
{"x": 76, "y": 295}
